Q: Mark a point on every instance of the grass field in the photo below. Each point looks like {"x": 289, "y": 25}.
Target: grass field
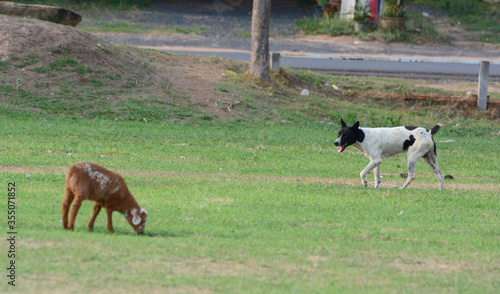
{"x": 252, "y": 207}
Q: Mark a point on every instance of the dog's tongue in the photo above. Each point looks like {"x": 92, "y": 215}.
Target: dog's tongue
{"x": 341, "y": 148}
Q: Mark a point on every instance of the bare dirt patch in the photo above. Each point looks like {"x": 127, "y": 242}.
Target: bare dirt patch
{"x": 460, "y": 86}
{"x": 432, "y": 265}
{"x": 75, "y": 71}
{"x": 392, "y": 181}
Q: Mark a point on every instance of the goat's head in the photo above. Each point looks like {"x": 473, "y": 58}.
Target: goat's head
{"x": 137, "y": 219}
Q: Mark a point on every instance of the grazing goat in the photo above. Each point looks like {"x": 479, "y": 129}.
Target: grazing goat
{"x": 88, "y": 181}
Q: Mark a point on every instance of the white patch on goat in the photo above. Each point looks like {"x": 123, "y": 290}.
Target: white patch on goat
{"x": 115, "y": 189}
{"x": 95, "y": 175}
{"x": 136, "y": 219}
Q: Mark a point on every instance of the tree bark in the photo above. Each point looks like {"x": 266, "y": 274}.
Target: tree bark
{"x": 259, "y": 63}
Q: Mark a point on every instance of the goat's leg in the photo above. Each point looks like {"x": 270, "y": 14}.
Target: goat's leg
{"x": 109, "y": 213}
{"x": 68, "y": 199}
{"x": 74, "y": 211}
{"x": 97, "y": 209}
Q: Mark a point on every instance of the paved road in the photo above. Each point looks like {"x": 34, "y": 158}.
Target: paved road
{"x": 413, "y": 70}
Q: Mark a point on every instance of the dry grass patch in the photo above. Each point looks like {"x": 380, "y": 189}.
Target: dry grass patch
{"x": 391, "y": 181}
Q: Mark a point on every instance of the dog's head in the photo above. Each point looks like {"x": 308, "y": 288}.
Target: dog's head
{"x": 348, "y": 136}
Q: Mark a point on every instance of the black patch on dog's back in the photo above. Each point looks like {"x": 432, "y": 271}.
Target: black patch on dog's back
{"x": 410, "y": 128}
{"x": 408, "y": 142}
{"x": 360, "y": 136}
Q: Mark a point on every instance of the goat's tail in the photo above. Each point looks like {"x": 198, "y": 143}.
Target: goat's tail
{"x": 436, "y": 128}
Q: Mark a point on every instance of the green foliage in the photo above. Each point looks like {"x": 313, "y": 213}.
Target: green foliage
{"x": 60, "y": 63}
{"x": 61, "y": 49}
{"x": 459, "y": 7}
{"x": 420, "y": 30}
{"x": 3, "y": 65}
{"x": 333, "y": 26}
{"x": 33, "y": 58}
{"x": 243, "y": 34}
{"x": 361, "y": 11}
{"x": 321, "y": 3}
{"x": 394, "y": 8}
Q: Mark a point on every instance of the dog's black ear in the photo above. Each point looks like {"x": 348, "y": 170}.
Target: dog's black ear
{"x": 355, "y": 126}
{"x": 343, "y": 123}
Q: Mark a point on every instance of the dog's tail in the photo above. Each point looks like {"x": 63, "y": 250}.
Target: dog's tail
{"x": 436, "y": 128}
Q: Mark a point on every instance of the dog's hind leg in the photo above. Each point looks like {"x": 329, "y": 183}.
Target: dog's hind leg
{"x": 412, "y": 162}
{"x": 431, "y": 160}
{"x": 374, "y": 162}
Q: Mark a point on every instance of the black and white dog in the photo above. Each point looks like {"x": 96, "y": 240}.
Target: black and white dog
{"x": 378, "y": 143}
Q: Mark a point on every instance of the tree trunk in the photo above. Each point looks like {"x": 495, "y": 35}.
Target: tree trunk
{"x": 259, "y": 63}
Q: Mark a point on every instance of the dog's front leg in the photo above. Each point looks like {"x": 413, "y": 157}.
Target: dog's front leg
{"x": 374, "y": 162}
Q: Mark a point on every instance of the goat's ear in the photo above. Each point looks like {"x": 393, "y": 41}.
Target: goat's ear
{"x": 136, "y": 218}
{"x": 355, "y": 126}
{"x": 343, "y": 123}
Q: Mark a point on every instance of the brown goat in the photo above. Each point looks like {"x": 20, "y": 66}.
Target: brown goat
{"x": 88, "y": 181}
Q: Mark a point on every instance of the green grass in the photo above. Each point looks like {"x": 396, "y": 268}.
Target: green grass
{"x": 253, "y": 207}
{"x": 243, "y": 34}
{"x": 333, "y": 26}
{"x": 474, "y": 15}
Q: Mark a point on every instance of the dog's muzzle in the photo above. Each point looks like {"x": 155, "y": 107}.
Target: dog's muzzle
{"x": 341, "y": 147}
